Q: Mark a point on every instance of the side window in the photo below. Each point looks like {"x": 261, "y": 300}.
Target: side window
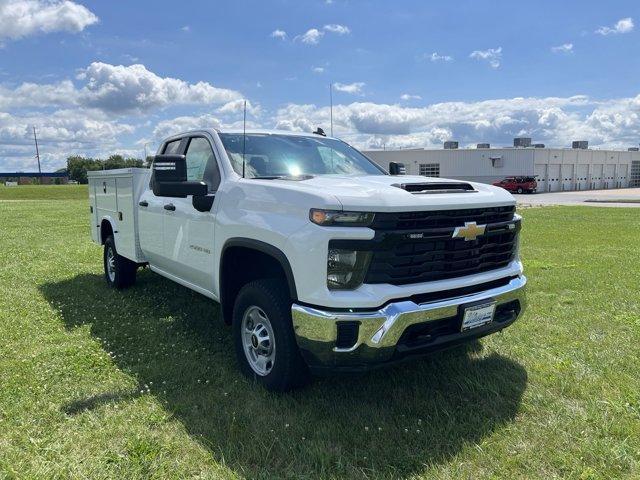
{"x": 201, "y": 163}
{"x": 172, "y": 147}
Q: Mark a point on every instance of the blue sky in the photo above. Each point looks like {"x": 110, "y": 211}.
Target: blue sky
{"x": 99, "y": 77}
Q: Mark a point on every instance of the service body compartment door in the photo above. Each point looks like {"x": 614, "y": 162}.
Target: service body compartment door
{"x": 106, "y": 198}
{"x": 151, "y": 226}
{"x": 93, "y": 212}
{"x": 126, "y": 222}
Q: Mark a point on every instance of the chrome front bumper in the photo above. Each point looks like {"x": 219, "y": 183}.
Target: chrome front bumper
{"x": 379, "y": 332}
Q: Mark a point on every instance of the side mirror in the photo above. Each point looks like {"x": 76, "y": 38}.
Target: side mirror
{"x": 396, "y": 168}
{"x": 169, "y": 178}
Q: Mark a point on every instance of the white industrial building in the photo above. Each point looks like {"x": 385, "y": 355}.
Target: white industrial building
{"x": 557, "y": 169}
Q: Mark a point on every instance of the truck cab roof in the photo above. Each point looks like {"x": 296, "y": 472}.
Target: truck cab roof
{"x": 251, "y": 131}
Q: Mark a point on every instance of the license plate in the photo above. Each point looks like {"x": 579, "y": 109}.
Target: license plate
{"x": 477, "y": 315}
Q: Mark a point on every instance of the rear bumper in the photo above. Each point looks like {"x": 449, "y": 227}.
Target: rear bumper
{"x": 354, "y": 341}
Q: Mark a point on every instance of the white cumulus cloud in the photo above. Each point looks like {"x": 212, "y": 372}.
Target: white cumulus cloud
{"x": 22, "y": 18}
{"x": 564, "y": 48}
{"x": 166, "y": 128}
{"x": 28, "y": 94}
{"x": 338, "y": 29}
{"x": 311, "y": 36}
{"x": 280, "y": 34}
{"x": 237, "y": 106}
{"x": 492, "y": 55}
{"x": 553, "y": 120}
{"x": 314, "y": 35}
{"x": 624, "y": 25}
{"x": 408, "y": 96}
{"x": 60, "y": 133}
{"x": 354, "y": 88}
{"x": 120, "y": 88}
{"x": 436, "y": 57}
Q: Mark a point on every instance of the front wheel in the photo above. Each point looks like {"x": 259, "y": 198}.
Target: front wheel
{"x": 519, "y": 190}
{"x": 263, "y": 336}
{"x": 120, "y": 272}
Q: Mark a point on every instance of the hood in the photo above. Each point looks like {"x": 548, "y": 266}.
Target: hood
{"x": 378, "y": 193}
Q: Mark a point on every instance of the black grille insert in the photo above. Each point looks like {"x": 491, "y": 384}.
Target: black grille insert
{"x": 441, "y": 218}
{"x": 414, "y": 247}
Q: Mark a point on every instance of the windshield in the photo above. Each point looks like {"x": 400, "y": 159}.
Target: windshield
{"x": 269, "y": 156}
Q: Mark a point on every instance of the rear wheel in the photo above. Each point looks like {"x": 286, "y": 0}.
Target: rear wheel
{"x": 519, "y": 190}
{"x": 120, "y": 272}
{"x": 263, "y": 336}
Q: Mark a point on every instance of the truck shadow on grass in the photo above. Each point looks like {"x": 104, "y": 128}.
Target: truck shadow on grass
{"x": 388, "y": 423}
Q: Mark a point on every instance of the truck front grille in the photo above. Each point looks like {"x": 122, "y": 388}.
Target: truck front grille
{"x": 419, "y": 247}
{"x": 442, "y": 218}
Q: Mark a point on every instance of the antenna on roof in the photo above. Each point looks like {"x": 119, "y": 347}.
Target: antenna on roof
{"x": 331, "y": 105}
{"x": 35, "y": 139}
{"x": 244, "y": 135}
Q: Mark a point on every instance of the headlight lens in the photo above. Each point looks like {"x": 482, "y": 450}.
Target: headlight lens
{"x": 339, "y": 218}
{"x": 346, "y": 268}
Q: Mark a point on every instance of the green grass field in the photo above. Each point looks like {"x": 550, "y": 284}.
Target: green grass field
{"x": 96, "y": 383}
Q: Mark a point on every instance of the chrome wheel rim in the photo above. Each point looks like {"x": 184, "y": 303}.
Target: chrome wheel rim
{"x": 111, "y": 264}
{"x": 258, "y": 340}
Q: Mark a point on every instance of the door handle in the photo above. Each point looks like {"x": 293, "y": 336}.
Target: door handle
{"x": 143, "y": 203}
{"x": 170, "y": 206}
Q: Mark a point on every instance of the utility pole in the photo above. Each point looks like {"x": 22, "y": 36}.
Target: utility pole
{"x": 35, "y": 139}
{"x": 331, "y": 105}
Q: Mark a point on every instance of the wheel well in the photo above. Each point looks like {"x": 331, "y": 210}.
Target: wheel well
{"x": 243, "y": 264}
{"x": 105, "y": 230}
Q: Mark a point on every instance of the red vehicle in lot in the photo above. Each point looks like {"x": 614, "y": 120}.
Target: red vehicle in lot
{"x": 521, "y": 184}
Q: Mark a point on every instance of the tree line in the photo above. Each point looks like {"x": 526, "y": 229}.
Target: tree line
{"x": 78, "y": 166}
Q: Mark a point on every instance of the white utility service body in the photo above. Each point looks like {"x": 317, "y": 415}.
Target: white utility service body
{"x": 113, "y": 197}
{"x": 408, "y": 222}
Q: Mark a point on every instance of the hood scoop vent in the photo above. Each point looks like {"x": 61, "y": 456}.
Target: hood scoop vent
{"x": 435, "y": 187}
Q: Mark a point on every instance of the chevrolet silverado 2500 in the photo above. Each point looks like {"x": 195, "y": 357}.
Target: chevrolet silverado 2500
{"x": 320, "y": 259}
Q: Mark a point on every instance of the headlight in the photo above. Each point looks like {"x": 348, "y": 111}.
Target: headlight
{"x": 346, "y": 268}
{"x": 339, "y": 218}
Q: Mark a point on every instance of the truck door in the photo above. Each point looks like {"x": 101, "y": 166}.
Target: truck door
{"x": 188, "y": 233}
{"x": 151, "y": 219}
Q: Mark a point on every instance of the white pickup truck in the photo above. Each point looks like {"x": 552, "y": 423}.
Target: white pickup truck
{"x": 321, "y": 260}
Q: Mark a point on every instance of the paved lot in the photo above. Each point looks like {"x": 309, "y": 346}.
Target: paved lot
{"x": 623, "y": 197}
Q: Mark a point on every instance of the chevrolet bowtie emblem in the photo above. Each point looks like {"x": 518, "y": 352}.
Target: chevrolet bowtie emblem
{"x": 470, "y": 231}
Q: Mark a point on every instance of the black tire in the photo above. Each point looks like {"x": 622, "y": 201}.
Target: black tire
{"x": 519, "y": 190}
{"x": 123, "y": 274}
{"x": 288, "y": 369}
